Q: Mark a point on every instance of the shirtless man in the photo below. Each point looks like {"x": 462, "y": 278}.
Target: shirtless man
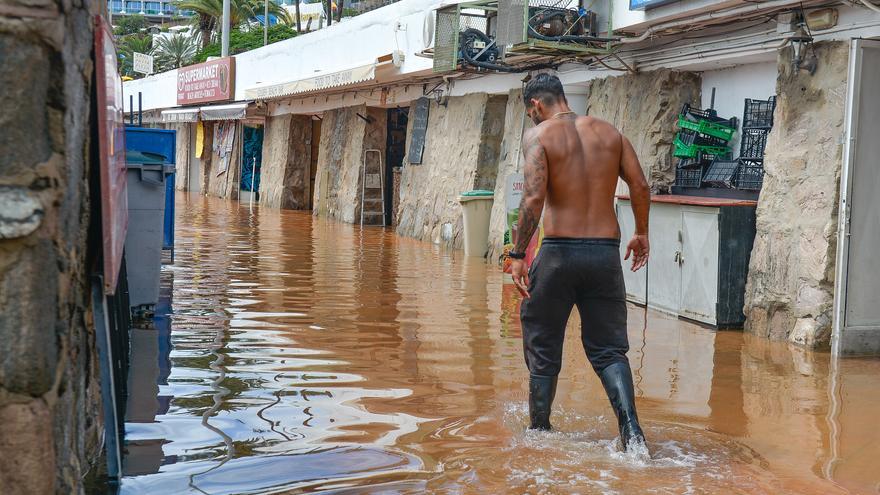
{"x": 571, "y": 169}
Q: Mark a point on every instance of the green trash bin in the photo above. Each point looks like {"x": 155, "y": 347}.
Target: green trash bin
{"x": 476, "y": 209}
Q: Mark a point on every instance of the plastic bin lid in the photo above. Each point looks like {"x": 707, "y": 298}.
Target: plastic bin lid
{"x": 145, "y": 158}
{"x": 478, "y": 193}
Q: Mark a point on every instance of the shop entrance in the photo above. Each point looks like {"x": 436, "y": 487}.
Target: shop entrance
{"x": 395, "y": 150}
{"x": 251, "y": 160}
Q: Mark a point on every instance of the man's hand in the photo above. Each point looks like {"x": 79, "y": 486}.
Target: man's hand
{"x": 638, "y": 246}
{"x": 520, "y": 276}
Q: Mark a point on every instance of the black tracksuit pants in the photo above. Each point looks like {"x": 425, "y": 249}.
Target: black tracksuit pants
{"x": 586, "y": 273}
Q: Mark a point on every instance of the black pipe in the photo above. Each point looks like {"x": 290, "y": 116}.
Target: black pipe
{"x": 140, "y": 109}
{"x": 130, "y": 109}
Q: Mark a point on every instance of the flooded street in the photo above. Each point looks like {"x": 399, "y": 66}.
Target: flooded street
{"x": 303, "y": 355}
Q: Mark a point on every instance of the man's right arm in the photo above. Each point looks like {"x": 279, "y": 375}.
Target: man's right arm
{"x": 640, "y": 196}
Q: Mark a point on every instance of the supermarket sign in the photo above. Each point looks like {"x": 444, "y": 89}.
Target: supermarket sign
{"x": 207, "y": 82}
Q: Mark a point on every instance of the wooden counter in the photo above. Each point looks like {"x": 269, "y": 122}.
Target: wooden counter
{"x": 696, "y": 200}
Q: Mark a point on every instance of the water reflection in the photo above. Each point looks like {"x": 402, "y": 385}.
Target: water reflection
{"x": 304, "y": 355}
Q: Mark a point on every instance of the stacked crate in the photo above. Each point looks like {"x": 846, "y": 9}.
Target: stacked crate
{"x": 757, "y": 122}
{"x": 747, "y": 171}
{"x": 702, "y": 138}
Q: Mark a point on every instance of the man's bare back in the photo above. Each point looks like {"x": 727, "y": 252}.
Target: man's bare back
{"x": 572, "y": 165}
{"x": 584, "y": 161}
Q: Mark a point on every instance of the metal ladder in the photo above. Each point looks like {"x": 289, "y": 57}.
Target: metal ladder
{"x": 373, "y": 181}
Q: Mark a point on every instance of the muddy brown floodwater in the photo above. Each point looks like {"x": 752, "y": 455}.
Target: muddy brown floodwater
{"x": 302, "y": 355}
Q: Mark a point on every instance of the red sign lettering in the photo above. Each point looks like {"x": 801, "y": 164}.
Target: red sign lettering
{"x": 206, "y": 82}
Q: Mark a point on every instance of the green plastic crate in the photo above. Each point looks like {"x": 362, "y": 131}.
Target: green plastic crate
{"x": 708, "y": 128}
{"x": 691, "y": 151}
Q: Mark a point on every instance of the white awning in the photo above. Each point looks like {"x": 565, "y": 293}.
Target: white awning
{"x": 323, "y": 81}
{"x": 234, "y": 111}
{"x": 181, "y": 115}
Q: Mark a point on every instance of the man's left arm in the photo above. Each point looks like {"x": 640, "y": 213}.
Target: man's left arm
{"x": 531, "y": 206}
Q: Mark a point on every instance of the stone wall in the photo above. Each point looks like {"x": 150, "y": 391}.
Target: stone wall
{"x": 395, "y": 195}
{"x": 50, "y": 420}
{"x": 182, "y": 157}
{"x": 287, "y": 152}
{"x": 461, "y": 153}
{"x": 345, "y": 134}
{"x": 509, "y": 162}
{"x": 342, "y": 135}
{"x": 645, "y": 108}
{"x": 791, "y": 275}
{"x": 375, "y": 138}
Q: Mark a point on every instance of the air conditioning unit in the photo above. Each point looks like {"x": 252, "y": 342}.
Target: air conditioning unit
{"x": 485, "y": 35}
{"x": 428, "y": 30}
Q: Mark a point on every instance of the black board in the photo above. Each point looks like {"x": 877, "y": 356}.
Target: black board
{"x": 419, "y": 130}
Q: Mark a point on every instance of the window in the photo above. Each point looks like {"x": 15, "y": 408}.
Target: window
{"x": 116, "y": 6}
{"x": 133, "y": 7}
{"x": 153, "y": 7}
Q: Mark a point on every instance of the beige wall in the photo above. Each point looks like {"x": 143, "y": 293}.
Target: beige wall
{"x": 509, "y": 162}
{"x": 789, "y": 293}
{"x": 287, "y": 151}
{"x": 645, "y": 108}
{"x": 345, "y": 134}
{"x": 462, "y": 146}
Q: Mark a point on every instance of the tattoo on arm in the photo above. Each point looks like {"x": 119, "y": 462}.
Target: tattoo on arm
{"x": 534, "y": 190}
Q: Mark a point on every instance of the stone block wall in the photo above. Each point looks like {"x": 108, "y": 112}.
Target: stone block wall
{"x": 287, "y": 152}
{"x": 345, "y": 134}
{"x": 645, "y": 108}
{"x": 341, "y": 145}
{"x": 789, "y": 293}
{"x": 462, "y": 146}
{"x": 50, "y": 420}
{"x": 509, "y": 162}
{"x": 375, "y": 138}
{"x": 182, "y": 156}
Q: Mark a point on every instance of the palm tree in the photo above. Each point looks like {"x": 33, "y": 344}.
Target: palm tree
{"x": 175, "y": 51}
{"x": 209, "y": 14}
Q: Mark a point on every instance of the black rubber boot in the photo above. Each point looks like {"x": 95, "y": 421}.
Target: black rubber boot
{"x": 542, "y": 390}
{"x": 618, "y": 383}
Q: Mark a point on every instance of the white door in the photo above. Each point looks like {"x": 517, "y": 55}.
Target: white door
{"x": 664, "y": 274}
{"x": 857, "y": 319}
{"x": 635, "y": 282}
{"x": 699, "y": 264}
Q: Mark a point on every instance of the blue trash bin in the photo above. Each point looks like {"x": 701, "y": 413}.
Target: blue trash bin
{"x": 162, "y": 142}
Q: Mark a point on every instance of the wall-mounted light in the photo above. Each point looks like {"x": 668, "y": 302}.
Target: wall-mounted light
{"x": 801, "y": 42}
{"x": 803, "y": 57}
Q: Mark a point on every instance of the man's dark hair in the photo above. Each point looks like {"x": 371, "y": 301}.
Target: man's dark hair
{"x": 544, "y": 87}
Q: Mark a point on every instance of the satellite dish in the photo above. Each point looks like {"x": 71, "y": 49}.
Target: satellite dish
{"x": 428, "y": 30}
